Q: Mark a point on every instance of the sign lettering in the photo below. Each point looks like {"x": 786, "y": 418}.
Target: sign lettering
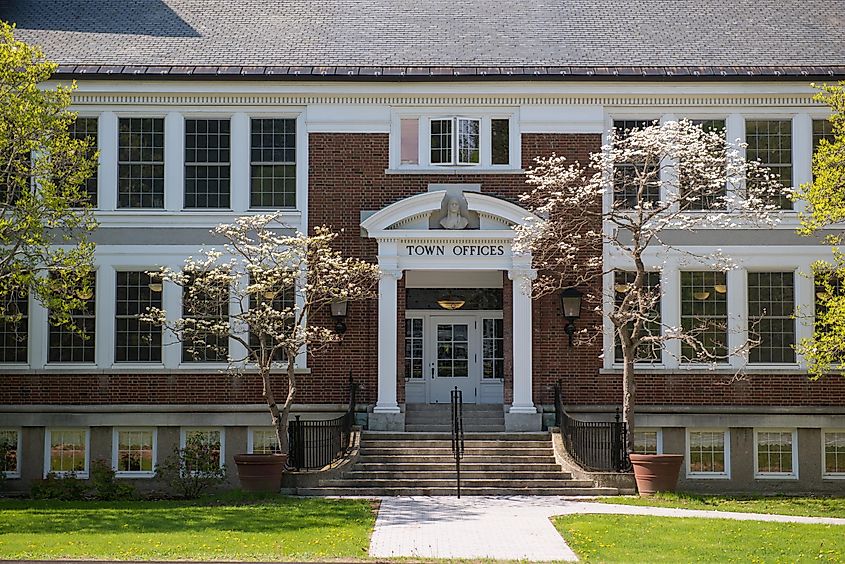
{"x": 455, "y": 250}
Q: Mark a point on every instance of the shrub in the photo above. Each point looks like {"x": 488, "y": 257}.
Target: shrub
{"x": 66, "y": 487}
{"x": 105, "y": 486}
{"x": 192, "y": 471}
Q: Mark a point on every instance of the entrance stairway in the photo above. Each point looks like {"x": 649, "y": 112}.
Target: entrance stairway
{"x": 436, "y": 418}
{"x": 421, "y": 463}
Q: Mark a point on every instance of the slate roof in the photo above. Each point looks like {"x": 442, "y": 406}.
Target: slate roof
{"x": 424, "y": 39}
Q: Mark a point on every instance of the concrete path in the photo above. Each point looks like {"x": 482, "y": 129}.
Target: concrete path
{"x": 506, "y": 528}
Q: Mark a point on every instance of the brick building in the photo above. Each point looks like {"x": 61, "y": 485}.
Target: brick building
{"x": 410, "y": 128}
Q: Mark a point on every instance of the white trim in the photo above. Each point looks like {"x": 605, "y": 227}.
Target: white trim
{"x": 825, "y": 474}
{"x": 659, "y": 434}
{"x": 116, "y": 442}
{"x": 250, "y": 436}
{"x": 18, "y": 457}
{"x": 183, "y": 434}
{"x": 48, "y": 438}
{"x": 726, "y": 437}
{"x": 776, "y": 475}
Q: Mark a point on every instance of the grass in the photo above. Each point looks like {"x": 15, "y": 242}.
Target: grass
{"x": 641, "y": 539}
{"x": 234, "y": 527}
{"x": 783, "y": 505}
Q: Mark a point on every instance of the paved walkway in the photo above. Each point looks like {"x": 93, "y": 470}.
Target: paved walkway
{"x": 506, "y": 528}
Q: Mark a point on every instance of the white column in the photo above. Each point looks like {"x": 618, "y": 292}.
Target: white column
{"x": 240, "y": 162}
{"x": 522, "y": 341}
{"x": 171, "y": 301}
{"x": 104, "y": 303}
{"x": 735, "y": 131}
{"x": 387, "y": 342}
{"x": 174, "y": 161}
{"x": 107, "y": 171}
{"x": 802, "y": 154}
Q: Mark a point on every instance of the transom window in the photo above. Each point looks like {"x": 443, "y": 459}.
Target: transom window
{"x": 707, "y": 452}
{"x": 628, "y": 178}
{"x": 776, "y": 453}
{"x": 140, "y": 163}
{"x": 647, "y": 352}
{"x": 833, "y": 443}
{"x": 771, "y": 309}
{"x": 414, "y": 348}
{"x": 14, "y": 329}
{"x": 67, "y": 451}
{"x": 135, "y": 452}
{"x": 770, "y": 142}
{"x": 76, "y": 342}
{"x": 273, "y": 163}
{"x": 10, "y": 453}
{"x": 86, "y": 128}
{"x": 704, "y": 315}
{"x": 264, "y": 441}
{"x": 207, "y": 170}
{"x": 493, "y": 349}
{"x": 136, "y": 340}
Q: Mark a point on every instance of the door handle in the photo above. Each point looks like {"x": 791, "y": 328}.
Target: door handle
{"x": 432, "y": 371}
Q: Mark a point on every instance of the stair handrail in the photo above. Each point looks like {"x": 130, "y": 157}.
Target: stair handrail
{"x": 458, "y": 434}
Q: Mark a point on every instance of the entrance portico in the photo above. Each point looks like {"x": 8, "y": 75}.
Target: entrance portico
{"x": 451, "y": 228}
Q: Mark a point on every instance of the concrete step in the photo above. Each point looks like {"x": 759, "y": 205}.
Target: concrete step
{"x": 418, "y": 459}
{"x": 503, "y": 436}
{"x": 423, "y": 451}
{"x": 437, "y": 428}
{"x": 447, "y": 407}
{"x": 417, "y": 475}
{"x": 434, "y": 420}
{"x": 449, "y": 483}
{"x": 377, "y": 492}
{"x": 450, "y": 466}
{"x": 446, "y": 443}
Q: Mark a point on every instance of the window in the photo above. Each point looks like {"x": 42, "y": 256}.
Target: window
{"x": 708, "y": 453}
{"x": 704, "y": 315}
{"x": 628, "y": 178}
{"x": 833, "y": 451}
{"x": 777, "y": 454}
{"x": 828, "y": 291}
{"x": 140, "y": 163}
{"x": 136, "y": 340}
{"x": 648, "y": 352}
{"x": 203, "y": 441}
{"x": 14, "y": 329}
{"x": 86, "y": 128}
{"x": 414, "y": 348}
{"x": 441, "y": 141}
{"x": 134, "y": 452}
{"x": 273, "y": 163}
{"x": 263, "y": 441}
{"x": 10, "y": 447}
{"x": 493, "y": 349}
{"x": 205, "y": 307}
{"x": 469, "y": 141}
{"x": 67, "y": 452}
{"x": 279, "y": 301}
{"x": 409, "y": 134}
{"x": 771, "y": 307}
{"x": 207, "y": 173}
{"x": 822, "y": 129}
{"x": 501, "y": 141}
{"x": 770, "y": 142}
{"x": 76, "y": 342}
{"x": 648, "y": 441}
{"x": 696, "y": 192}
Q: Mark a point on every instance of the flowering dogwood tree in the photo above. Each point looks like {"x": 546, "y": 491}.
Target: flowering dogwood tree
{"x": 262, "y": 292}
{"x": 623, "y": 205}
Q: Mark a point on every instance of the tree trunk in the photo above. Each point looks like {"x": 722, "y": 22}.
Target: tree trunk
{"x": 628, "y": 394}
{"x": 278, "y": 417}
{"x": 284, "y": 415}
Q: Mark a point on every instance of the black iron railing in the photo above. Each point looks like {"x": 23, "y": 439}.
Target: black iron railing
{"x": 317, "y": 444}
{"x": 598, "y": 446}
{"x": 458, "y": 433}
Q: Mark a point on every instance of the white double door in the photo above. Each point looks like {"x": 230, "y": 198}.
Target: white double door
{"x": 454, "y": 357}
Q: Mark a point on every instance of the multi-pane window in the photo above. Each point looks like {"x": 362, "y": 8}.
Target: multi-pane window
{"x": 697, "y": 192}
{"x": 452, "y": 350}
{"x": 834, "y": 452}
{"x": 770, "y": 142}
{"x": 456, "y": 141}
{"x": 279, "y": 301}
{"x": 822, "y": 130}
{"x": 67, "y": 451}
{"x": 646, "y": 442}
{"x": 771, "y": 309}
{"x": 634, "y": 183}
{"x": 207, "y": 171}
{"x": 500, "y": 141}
{"x": 441, "y": 141}
{"x": 9, "y": 453}
{"x": 273, "y": 163}
{"x": 203, "y": 307}
{"x": 75, "y": 342}
{"x": 493, "y": 349}
{"x": 14, "y": 328}
{"x": 622, "y": 281}
{"x": 469, "y": 141}
{"x": 775, "y": 453}
{"x": 828, "y": 287}
{"x": 136, "y": 340}
{"x": 134, "y": 452}
{"x": 265, "y": 441}
{"x": 414, "y": 347}
{"x": 140, "y": 163}
{"x": 205, "y": 443}
{"x": 704, "y": 315}
{"x": 86, "y": 128}
{"x": 707, "y": 452}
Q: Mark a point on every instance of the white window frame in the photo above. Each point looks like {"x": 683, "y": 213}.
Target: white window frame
{"x": 17, "y": 472}
{"x": 48, "y": 439}
{"x": 658, "y": 430}
{"x": 726, "y": 475}
{"x": 250, "y": 437}
{"x": 115, "y": 448}
{"x": 825, "y": 474}
{"x": 777, "y": 475}
{"x": 183, "y": 436}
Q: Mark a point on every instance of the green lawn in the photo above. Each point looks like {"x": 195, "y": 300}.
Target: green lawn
{"x": 646, "y": 539}
{"x": 230, "y": 528}
{"x": 809, "y": 506}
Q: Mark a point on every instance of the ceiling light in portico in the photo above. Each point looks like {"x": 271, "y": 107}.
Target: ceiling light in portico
{"x": 451, "y": 302}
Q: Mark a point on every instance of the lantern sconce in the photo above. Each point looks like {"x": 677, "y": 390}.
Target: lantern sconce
{"x": 570, "y": 305}
{"x": 339, "y": 310}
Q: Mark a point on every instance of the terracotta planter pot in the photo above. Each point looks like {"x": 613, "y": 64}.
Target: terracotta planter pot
{"x": 261, "y": 472}
{"x": 656, "y": 472}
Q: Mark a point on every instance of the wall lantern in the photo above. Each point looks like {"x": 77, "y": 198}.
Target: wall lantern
{"x": 570, "y": 304}
{"x": 339, "y": 310}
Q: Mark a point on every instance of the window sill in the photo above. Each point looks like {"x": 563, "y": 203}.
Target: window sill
{"x": 135, "y": 475}
{"x": 839, "y": 476}
{"x": 775, "y": 476}
{"x": 453, "y": 170}
{"x": 706, "y": 476}
{"x": 762, "y": 370}
{"x": 77, "y": 475}
{"x": 137, "y": 369}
